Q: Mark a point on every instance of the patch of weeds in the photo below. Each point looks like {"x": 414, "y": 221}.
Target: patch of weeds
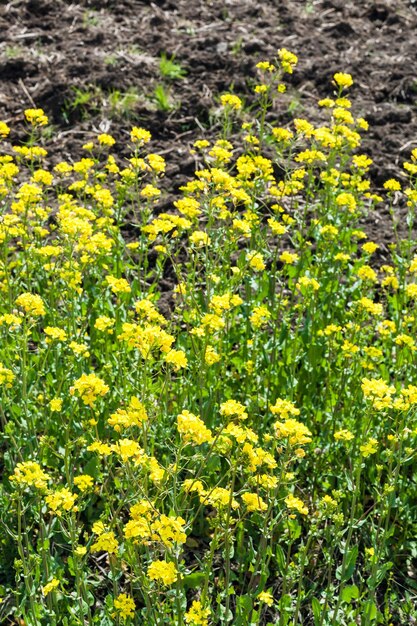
{"x": 123, "y": 104}
{"x": 162, "y": 99}
{"x": 111, "y": 59}
{"x": 85, "y": 101}
{"x": 169, "y": 69}
{"x": 135, "y": 50}
{"x": 237, "y": 46}
{"x": 90, "y": 18}
{"x": 12, "y": 52}
{"x": 49, "y": 132}
{"x": 294, "y": 104}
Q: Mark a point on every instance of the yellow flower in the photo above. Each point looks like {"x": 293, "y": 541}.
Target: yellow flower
{"x": 127, "y": 449}
{"x": 231, "y": 101}
{"x": 169, "y": 530}
{"x": 254, "y": 502}
{"x": 341, "y": 256}
{"x": 80, "y": 349}
{"x": 288, "y": 257}
{"x": 288, "y": 60}
{"x": 265, "y": 66}
{"x": 55, "y": 405}
{"x": 32, "y": 304}
{"x": 176, "y": 358}
{"x": 199, "y": 238}
{"x": 375, "y": 308}
{"x": 367, "y": 273}
{"x": 124, "y": 605}
{"x": 133, "y": 415}
{"x": 343, "y": 80}
{"x": 370, "y": 447}
{"x": 284, "y": 408}
{"x": 200, "y": 144}
{"x": 104, "y": 324}
{"x": 362, "y": 161}
{"x": 190, "y": 485}
{"x": 392, "y": 185}
{"x": 231, "y": 408}
{"x": 150, "y": 192}
{"x": 4, "y": 130}
{"x": 118, "y": 285}
{"x": 61, "y": 499}
{"x": 343, "y": 435}
{"x": 305, "y": 282}
{"x": 89, "y": 387}
{"x": 140, "y": 135}
{"x": 36, "y": 117}
{"x": 346, "y": 200}
{"x": 157, "y": 163}
{"x": 193, "y": 429}
{"x": 260, "y": 316}
{"x": 106, "y": 542}
{"x": 256, "y": 261}
{"x": 106, "y": 140}
{"x": 163, "y": 572}
{"x": 53, "y": 584}
{"x": 295, "y": 503}
{"x": 282, "y": 134}
{"x": 378, "y": 392}
{"x": 29, "y": 473}
{"x": 43, "y": 177}
{"x": 370, "y": 247}
{"x": 326, "y": 102}
{"x": 197, "y": 615}
{"x": 219, "y": 498}
{"x": 55, "y": 333}
{"x": 84, "y": 482}
{"x": 6, "y": 376}
{"x": 190, "y": 207}
{"x": 211, "y": 356}
{"x": 266, "y": 597}
{"x": 294, "y": 431}
{"x": 98, "y": 528}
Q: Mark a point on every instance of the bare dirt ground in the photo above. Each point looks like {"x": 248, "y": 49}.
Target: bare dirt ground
{"x": 95, "y": 65}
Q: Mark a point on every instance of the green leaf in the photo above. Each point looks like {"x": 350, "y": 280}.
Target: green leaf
{"x": 370, "y": 611}
{"x": 350, "y": 563}
{"x": 316, "y": 606}
{"x": 382, "y": 571}
{"x": 244, "y": 606}
{"x": 349, "y": 593}
{"x": 193, "y": 581}
{"x": 71, "y": 566}
{"x": 281, "y": 559}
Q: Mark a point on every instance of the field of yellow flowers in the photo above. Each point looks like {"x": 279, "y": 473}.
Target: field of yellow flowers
{"x": 240, "y": 449}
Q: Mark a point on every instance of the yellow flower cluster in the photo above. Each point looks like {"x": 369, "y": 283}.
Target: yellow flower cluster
{"x": 124, "y": 605}
{"x": 193, "y": 429}
{"x": 132, "y": 415}
{"x": 197, "y": 615}
{"x": 89, "y": 387}
{"x": 61, "y": 500}
{"x": 30, "y": 474}
{"x": 163, "y": 572}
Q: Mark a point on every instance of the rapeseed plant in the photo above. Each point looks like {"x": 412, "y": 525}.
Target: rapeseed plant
{"x": 244, "y": 455}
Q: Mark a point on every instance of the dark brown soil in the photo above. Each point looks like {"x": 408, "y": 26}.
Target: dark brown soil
{"x": 78, "y": 60}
